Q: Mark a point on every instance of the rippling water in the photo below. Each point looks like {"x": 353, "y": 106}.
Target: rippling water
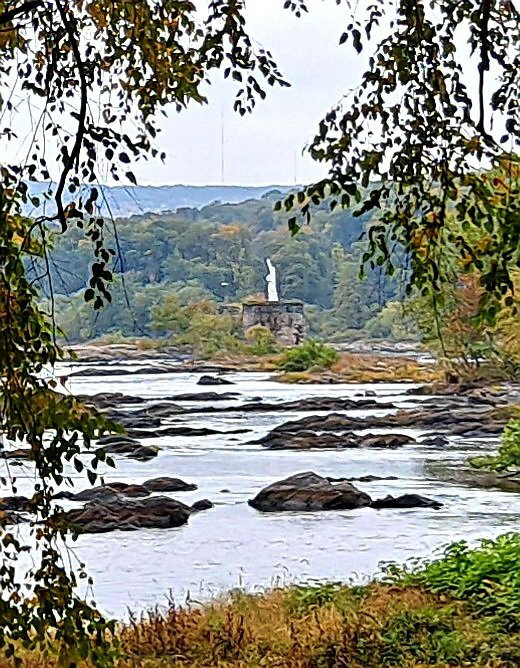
{"x": 234, "y": 545}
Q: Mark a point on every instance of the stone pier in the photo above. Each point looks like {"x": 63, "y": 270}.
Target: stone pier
{"x": 284, "y": 319}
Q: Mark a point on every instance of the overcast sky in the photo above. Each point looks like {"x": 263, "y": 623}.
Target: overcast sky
{"x": 266, "y": 146}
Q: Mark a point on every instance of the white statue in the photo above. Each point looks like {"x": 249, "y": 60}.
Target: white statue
{"x": 272, "y": 292}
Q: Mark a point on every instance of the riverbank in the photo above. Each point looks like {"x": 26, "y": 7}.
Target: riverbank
{"x": 462, "y": 609}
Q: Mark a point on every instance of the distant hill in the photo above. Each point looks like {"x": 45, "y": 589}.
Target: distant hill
{"x": 126, "y": 201}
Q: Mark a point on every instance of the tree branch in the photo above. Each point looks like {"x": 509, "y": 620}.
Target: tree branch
{"x": 80, "y": 131}
{"x": 484, "y": 60}
{"x": 25, "y": 8}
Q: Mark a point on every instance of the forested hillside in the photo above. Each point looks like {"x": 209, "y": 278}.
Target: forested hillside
{"x": 133, "y": 200}
{"x": 218, "y": 253}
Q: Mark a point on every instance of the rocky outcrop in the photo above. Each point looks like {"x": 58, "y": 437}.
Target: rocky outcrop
{"x": 306, "y": 440}
{"x": 116, "y": 489}
{"x": 166, "y": 484}
{"x": 17, "y": 503}
{"x": 310, "y": 440}
{"x": 181, "y": 431}
{"x": 127, "y": 447}
{"x": 154, "y": 512}
{"x": 385, "y": 440}
{"x": 214, "y": 380}
{"x": 8, "y": 517}
{"x": 437, "y": 441}
{"x": 17, "y": 454}
{"x": 466, "y": 421}
{"x": 203, "y": 504}
{"x": 406, "y": 501}
{"x": 309, "y": 492}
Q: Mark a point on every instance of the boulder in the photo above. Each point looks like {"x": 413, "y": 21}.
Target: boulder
{"x": 309, "y": 492}
{"x": 166, "y": 484}
{"x": 154, "y": 512}
{"x": 7, "y": 517}
{"x": 18, "y": 453}
{"x": 129, "y": 448}
{"x": 203, "y": 504}
{"x": 437, "y": 441}
{"x": 19, "y": 503}
{"x": 406, "y": 501}
{"x": 206, "y": 396}
{"x": 102, "y": 492}
{"x": 184, "y": 431}
{"x": 214, "y": 380}
{"x": 374, "y": 478}
{"x": 306, "y": 440}
{"x": 116, "y": 439}
{"x": 385, "y": 440}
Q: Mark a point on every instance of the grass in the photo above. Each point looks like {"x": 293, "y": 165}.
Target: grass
{"x": 459, "y": 610}
{"x": 367, "y": 368}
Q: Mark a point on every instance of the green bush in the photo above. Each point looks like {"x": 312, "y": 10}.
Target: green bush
{"x": 487, "y": 577}
{"x": 261, "y": 341}
{"x": 308, "y": 354}
{"x": 508, "y": 454}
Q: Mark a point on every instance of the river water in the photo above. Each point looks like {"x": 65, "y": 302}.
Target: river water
{"x": 234, "y": 545}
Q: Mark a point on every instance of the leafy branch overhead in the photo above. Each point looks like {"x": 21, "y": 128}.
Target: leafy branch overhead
{"x": 104, "y": 70}
{"x": 431, "y": 130}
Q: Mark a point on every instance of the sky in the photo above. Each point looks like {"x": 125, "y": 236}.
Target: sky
{"x": 267, "y": 146}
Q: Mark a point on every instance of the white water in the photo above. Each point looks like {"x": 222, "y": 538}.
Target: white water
{"x": 232, "y": 544}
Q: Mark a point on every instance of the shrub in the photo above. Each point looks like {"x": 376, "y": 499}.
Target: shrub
{"x": 508, "y": 453}
{"x": 308, "y": 354}
{"x": 488, "y": 577}
{"x": 261, "y": 340}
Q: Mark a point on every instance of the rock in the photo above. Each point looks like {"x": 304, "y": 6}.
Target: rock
{"x": 166, "y": 484}
{"x": 148, "y": 370}
{"x": 130, "y": 448}
{"x": 385, "y": 440}
{"x": 7, "y": 517}
{"x": 437, "y": 441}
{"x": 116, "y": 439}
{"x": 20, "y": 503}
{"x": 309, "y": 492}
{"x": 18, "y": 453}
{"x": 406, "y": 501}
{"x": 102, "y": 492}
{"x": 206, "y": 396}
{"x": 203, "y": 504}
{"x": 154, "y": 512}
{"x": 214, "y": 380}
{"x": 374, "y": 478}
{"x": 306, "y": 440}
{"x": 184, "y": 431}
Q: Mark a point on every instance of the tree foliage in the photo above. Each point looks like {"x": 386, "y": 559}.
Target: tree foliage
{"x": 405, "y": 143}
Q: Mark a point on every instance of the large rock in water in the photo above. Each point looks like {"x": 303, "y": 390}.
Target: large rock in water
{"x": 406, "y": 501}
{"x": 309, "y": 491}
{"x": 154, "y": 512}
{"x": 115, "y": 489}
{"x": 127, "y": 447}
{"x": 214, "y": 380}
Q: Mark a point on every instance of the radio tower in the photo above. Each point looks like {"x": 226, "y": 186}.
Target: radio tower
{"x": 222, "y": 139}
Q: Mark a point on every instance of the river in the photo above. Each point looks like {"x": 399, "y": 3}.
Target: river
{"x": 233, "y": 545}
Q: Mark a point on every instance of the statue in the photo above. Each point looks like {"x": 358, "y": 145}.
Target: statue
{"x": 272, "y": 292}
